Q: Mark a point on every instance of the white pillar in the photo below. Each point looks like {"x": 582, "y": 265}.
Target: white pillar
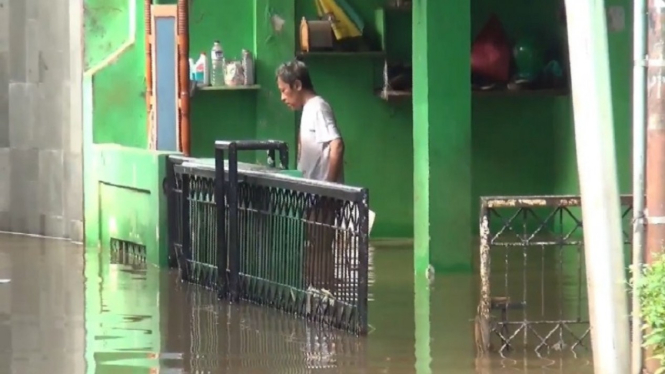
{"x": 596, "y": 163}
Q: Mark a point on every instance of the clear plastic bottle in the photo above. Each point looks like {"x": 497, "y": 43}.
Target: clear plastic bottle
{"x": 218, "y": 63}
{"x": 202, "y": 72}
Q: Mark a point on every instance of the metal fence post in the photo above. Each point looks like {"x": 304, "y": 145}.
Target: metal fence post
{"x": 186, "y": 254}
{"x": 171, "y": 232}
{"x": 220, "y": 203}
{"x": 363, "y": 254}
{"x": 482, "y": 328}
{"x": 234, "y": 248}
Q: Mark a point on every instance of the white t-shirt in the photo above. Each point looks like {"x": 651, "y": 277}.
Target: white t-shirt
{"x": 318, "y": 128}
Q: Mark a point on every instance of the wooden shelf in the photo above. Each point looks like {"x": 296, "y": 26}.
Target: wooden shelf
{"x": 394, "y": 94}
{"x": 524, "y": 92}
{"x": 365, "y": 54}
{"x": 230, "y": 88}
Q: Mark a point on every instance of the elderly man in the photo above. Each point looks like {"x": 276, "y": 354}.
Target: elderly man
{"x": 320, "y": 145}
{"x": 320, "y": 157}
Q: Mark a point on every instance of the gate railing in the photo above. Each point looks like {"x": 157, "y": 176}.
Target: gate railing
{"x": 173, "y": 190}
{"x": 297, "y": 245}
{"x": 532, "y": 270}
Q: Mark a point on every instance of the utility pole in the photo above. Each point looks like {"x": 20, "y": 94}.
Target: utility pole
{"x": 655, "y": 174}
{"x": 639, "y": 172}
{"x": 596, "y": 165}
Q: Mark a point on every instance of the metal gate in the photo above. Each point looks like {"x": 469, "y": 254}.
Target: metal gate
{"x": 297, "y": 245}
{"x": 532, "y": 270}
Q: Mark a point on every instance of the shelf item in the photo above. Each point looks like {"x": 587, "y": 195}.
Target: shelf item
{"x": 316, "y": 35}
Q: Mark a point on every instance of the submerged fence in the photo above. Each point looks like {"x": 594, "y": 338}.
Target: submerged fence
{"x": 532, "y": 268}
{"x": 252, "y": 233}
{"x": 224, "y": 338}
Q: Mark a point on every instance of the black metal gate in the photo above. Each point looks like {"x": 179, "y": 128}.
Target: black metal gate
{"x": 532, "y": 270}
{"x": 296, "y": 245}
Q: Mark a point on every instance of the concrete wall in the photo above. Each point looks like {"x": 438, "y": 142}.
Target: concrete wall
{"x": 41, "y": 167}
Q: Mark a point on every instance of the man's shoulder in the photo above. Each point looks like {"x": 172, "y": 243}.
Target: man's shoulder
{"x": 318, "y": 103}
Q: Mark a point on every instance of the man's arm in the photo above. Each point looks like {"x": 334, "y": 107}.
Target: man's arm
{"x": 327, "y": 132}
{"x": 336, "y": 159}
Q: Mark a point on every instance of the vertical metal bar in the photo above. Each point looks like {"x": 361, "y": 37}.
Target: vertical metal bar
{"x": 271, "y": 157}
{"x": 655, "y": 143}
{"x": 147, "y": 14}
{"x": 169, "y": 190}
{"x": 186, "y": 230}
{"x": 232, "y": 198}
{"x": 482, "y": 328}
{"x": 220, "y": 202}
{"x": 363, "y": 261}
{"x": 284, "y": 155}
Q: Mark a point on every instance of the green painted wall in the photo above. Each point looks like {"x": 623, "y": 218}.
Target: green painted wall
{"x": 126, "y": 199}
{"x": 115, "y": 57}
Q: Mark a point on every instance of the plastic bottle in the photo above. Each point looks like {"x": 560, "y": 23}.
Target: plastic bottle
{"x": 192, "y": 70}
{"x": 248, "y": 67}
{"x": 218, "y": 63}
{"x": 201, "y": 69}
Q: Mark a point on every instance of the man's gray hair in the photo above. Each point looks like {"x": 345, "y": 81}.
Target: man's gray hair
{"x": 292, "y": 71}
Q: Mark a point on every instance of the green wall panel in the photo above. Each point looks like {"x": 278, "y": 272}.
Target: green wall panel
{"x": 115, "y": 59}
{"x": 130, "y": 205}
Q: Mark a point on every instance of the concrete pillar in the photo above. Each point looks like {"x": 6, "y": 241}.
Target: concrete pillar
{"x": 442, "y": 134}
{"x": 40, "y": 124}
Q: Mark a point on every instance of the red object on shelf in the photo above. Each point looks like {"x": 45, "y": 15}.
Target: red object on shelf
{"x": 490, "y": 53}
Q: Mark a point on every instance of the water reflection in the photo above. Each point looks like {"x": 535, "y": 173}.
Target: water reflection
{"x": 139, "y": 319}
{"x": 41, "y": 307}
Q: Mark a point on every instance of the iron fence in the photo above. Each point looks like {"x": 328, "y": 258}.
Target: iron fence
{"x": 296, "y": 245}
{"x": 173, "y": 190}
{"x": 532, "y": 270}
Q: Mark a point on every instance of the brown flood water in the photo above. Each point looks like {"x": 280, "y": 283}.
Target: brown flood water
{"x": 66, "y": 310}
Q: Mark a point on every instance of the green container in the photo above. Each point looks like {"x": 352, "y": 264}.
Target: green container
{"x": 528, "y": 59}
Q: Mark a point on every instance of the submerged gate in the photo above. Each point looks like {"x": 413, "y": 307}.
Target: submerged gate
{"x": 252, "y": 233}
{"x": 533, "y": 282}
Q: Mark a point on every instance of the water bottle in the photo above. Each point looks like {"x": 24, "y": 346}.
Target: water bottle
{"x": 217, "y": 59}
{"x": 248, "y": 67}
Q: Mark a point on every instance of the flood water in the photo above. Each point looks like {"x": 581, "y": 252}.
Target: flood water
{"x": 67, "y": 310}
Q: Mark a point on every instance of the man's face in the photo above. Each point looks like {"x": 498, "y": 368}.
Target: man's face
{"x": 291, "y": 95}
